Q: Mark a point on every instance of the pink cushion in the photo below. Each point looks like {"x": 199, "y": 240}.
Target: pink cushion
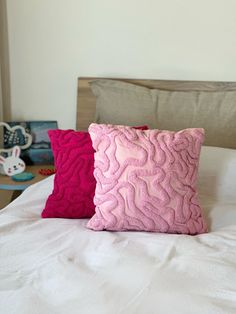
{"x": 74, "y": 183}
{"x": 146, "y": 180}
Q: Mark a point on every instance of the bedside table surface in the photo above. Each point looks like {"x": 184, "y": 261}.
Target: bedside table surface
{"x": 6, "y": 183}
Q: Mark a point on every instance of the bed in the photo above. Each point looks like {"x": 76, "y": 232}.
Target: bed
{"x": 60, "y": 266}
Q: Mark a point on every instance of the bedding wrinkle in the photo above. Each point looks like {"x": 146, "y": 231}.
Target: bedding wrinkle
{"x": 126, "y": 308}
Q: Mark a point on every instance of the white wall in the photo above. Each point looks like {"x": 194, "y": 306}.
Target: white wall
{"x": 52, "y": 42}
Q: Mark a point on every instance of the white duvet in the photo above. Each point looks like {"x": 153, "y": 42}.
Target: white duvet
{"x": 59, "y": 266}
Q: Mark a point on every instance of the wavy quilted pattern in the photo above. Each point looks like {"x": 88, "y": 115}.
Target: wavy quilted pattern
{"x": 74, "y": 183}
{"x": 146, "y": 180}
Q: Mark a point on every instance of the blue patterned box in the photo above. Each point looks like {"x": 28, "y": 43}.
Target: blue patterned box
{"x": 40, "y": 150}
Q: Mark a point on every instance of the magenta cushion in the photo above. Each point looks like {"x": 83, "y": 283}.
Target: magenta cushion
{"x": 74, "y": 183}
{"x": 146, "y": 180}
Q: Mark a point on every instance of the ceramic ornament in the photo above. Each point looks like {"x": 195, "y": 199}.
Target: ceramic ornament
{"x": 13, "y": 140}
{"x": 21, "y": 177}
{"x": 14, "y": 164}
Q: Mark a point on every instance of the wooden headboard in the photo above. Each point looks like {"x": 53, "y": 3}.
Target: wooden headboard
{"x": 86, "y": 100}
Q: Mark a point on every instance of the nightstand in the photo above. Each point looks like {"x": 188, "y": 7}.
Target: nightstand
{"x": 7, "y": 184}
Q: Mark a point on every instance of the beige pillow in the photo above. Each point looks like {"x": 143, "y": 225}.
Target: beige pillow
{"x": 123, "y": 103}
{"x": 128, "y": 104}
{"x": 213, "y": 111}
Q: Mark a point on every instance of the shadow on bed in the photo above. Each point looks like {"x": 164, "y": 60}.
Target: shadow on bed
{"x": 216, "y": 172}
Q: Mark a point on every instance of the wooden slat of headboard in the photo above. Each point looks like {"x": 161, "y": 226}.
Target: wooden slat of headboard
{"x": 86, "y": 102}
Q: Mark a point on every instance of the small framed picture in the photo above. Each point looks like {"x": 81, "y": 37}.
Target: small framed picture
{"x": 40, "y": 150}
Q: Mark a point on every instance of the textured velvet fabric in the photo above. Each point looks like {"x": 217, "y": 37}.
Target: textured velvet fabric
{"x": 74, "y": 183}
{"x": 146, "y": 180}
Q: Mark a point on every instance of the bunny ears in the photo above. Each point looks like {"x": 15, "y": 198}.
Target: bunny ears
{"x": 2, "y": 160}
{"x": 15, "y": 153}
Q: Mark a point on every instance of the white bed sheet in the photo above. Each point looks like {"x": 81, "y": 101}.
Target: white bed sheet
{"x": 59, "y": 266}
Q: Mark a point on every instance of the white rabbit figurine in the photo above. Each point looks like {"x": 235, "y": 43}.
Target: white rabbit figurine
{"x": 13, "y": 165}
